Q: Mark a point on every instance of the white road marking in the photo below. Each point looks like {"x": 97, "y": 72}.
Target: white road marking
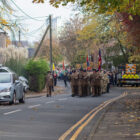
{"x": 12, "y": 112}
{"x": 62, "y": 99}
{"x": 4, "y": 108}
{"x": 33, "y": 106}
{"x": 49, "y": 102}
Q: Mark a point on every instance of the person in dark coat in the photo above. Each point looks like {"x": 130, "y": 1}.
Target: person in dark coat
{"x": 55, "y": 78}
{"x": 49, "y": 84}
{"x": 65, "y": 78}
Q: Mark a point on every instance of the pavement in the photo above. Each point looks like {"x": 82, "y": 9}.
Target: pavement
{"x": 120, "y": 121}
{"x": 59, "y": 89}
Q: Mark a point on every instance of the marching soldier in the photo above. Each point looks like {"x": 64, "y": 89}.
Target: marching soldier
{"x": 98, "y": 83}
{"x": 92, "y": 82}
{"x": 103, "y": 82}
{"x": 49, "y": 83}
{"x": 108, "y": 83}
{"x": 85, "y": 83}
{"x": 80, "y": 83}
{"x": 74, "y": 82}
{"x": 89, "y": 73}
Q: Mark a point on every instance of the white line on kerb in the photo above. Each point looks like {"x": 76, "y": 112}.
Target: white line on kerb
{"x": 49, "y": 102}
{"x": 33, "y": 106}
{"x": 12, "y": 112}
{"x": 62, "y": 99}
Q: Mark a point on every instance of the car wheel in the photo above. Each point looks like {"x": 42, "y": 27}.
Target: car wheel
{"x": 22, "y": 100}
{"x": 14, "y": 99}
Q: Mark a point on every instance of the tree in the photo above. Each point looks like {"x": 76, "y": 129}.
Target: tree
{"x": 101, "y": 6}
{"x": 127, "y": 10}
{"x": 6, "y": 15}
{"x": 68, "y": 38}
{"x": 44, "y": 52}
{"x": 105, "y": 32}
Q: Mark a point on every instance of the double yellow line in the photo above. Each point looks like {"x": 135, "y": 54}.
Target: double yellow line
{"x": 89, "y": 118}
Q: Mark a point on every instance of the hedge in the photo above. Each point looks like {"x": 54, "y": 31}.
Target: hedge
{"x": 36, "y": 71}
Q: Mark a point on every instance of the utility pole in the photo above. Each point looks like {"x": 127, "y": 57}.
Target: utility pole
{"x": 50, "y": 23}
{"x": 19, "y": 38}
{"x": 38, "y": 48}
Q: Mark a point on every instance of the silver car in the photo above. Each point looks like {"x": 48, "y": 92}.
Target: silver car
{"x": 11, "y": 89}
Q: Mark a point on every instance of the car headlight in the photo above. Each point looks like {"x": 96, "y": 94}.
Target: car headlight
{"x": 6, "y": 90}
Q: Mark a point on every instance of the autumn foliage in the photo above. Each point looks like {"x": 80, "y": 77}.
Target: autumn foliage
{"x": 131, "y": 24}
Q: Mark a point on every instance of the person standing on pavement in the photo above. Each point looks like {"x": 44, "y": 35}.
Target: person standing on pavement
{"x": 108, "y": 83}
{"x": 49, "y": 84}
{"x": 55, "y": 78}
{"x": 65, "y": 78}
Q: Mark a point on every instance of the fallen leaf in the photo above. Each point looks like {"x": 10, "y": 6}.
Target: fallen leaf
{"x": 116, "y": 123}
{"x": 57, "y": 106}
{"x": 133, "y": 120}
{"x": 35, "y": 109}
{"x": 132, "y": 116}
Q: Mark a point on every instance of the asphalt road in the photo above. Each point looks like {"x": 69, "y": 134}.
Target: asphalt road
{"x": 48, "y": 118}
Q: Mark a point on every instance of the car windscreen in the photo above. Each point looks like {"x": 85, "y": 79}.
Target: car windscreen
{"x": 5, "y": 78}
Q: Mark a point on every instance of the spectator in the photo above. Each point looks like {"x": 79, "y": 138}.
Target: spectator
{"x": 65, "y": 77}
{"x": 55, "y": 78}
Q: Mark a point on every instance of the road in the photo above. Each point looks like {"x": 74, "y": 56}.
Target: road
{"x": 48, "y": 118}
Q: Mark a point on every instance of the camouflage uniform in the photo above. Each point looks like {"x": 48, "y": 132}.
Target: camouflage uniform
{"x": 89, "y": 83}
{"x": 49, "y": 84}
{"x": 103, "y": 83}
{"x": 80, "y": 83}
{"x": 106, "y": 81}
{"x": 74, "y": 83}
{"x": 92, "y": 83}
{"x": 98, "y": 84}
{"x": 85, "y": 84}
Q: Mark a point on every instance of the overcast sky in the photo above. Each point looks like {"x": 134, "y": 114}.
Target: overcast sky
{"x": 38, "y": 10}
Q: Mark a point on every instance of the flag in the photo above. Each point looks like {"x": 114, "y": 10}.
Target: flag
{"x": 53, "y": 67}
{"x": 87, "y": 62}
{"x": 63, "y": 66}
{"x": 99, "y": 60}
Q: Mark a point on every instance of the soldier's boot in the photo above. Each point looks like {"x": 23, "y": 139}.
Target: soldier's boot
{"x": 87, "y": 91}
{"x": 73, "y": 94}
{"x": 93, "y": 92}
{"x": 108, "y": 87}
{"x": 83, "y": 91}
{"x": 76, "y": 90}
{"x": 95, "y": 89}
{"x": 80, "y": 91}
{"x": 47, "y": 95}
{"x": 99, "y": 91}
{"x": 50, "y": 91}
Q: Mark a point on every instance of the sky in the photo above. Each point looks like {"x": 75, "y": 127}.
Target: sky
{"x": 32, "y": 27}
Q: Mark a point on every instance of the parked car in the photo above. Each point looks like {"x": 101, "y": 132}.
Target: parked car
{"x": 25, "y": 83}
{"x": 11, "y": 89}
{"x": 5, "y": 69}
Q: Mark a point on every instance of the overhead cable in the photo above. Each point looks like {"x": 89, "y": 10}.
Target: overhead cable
{"x": 24, "y": 12}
